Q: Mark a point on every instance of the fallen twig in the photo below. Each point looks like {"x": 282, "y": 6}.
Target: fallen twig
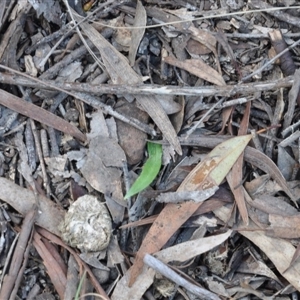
{"x": 145, "y": 89}
{"x": 160, "y": 267}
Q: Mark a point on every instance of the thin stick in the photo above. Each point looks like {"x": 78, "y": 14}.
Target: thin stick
{"x": 202, "y": 18}
{"x": 144, "y": 89}
{"x": 192, "y": 129}
{"x": 166, "y": 271}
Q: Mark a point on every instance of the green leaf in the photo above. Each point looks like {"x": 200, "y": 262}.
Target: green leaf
{"x": 149, "y": 171}
{"x": 77, "y": 295}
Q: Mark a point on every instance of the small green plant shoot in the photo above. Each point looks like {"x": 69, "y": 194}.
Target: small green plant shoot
{"x": 149, "y": 171}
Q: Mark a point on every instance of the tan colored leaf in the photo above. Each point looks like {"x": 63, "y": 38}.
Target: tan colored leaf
{"x": 235, "y": 176}
{"x": 215, "y": 166}
{"x": 207, "y": 39}
{"x": 102, "y": 170}
{"x": 185, "y": 251}
{"x": 198, "y": 68}
{"x": 257, "y": 267}
{"x": 39, "y": 114}
{"x": 253, "y": 156}
{"x": 208, "y": 173}
{"x": 226, "y": 115}
{"x": 137, "y": 34}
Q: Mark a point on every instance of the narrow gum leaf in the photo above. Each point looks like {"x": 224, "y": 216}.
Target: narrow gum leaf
{"x": 212, "y": 170}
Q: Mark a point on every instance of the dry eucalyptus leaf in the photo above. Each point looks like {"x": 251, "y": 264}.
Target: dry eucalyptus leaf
{"x": 98, "y": 125}
{"x": 257, "y": 267}
{"x": 185, "y": 251}
{"x": 273, "y": 205}
{"x": 198, "y": 68}
{"x": 285, "y": 163}
{"x": 87, "y": 225}
{"x": 168, "y": 104}
{"x": 137, "y": 34}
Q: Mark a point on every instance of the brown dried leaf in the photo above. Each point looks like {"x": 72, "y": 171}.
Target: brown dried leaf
{"x": 131, "y": 139}
{"x": 257, "y": 267}
{"x": 226, "y": 115}
{"x": 137, "y": 34}
{"x": 197, "y": 67}
{"x": 273, "y": 205}
{"x": 195, "y": 48}
{"x": 279, "y": 251}
{"x": 204, "y": 37}
{"x": 137, "y": 290}
{"x": 36, "y": 113}
{"x": 54, "y": 270}
{"x": 178, "y": 117}
{"x": 235, "y": 177}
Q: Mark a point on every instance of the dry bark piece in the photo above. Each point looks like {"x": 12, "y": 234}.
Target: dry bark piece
{"x": 87, "y": 225}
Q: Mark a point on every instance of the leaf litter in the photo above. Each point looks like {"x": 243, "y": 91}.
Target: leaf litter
{"x": 222, "y": 204}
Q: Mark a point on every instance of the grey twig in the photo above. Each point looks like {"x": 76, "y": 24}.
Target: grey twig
{"x": 145, "y": 89}
{"x": 166, "y": 271}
